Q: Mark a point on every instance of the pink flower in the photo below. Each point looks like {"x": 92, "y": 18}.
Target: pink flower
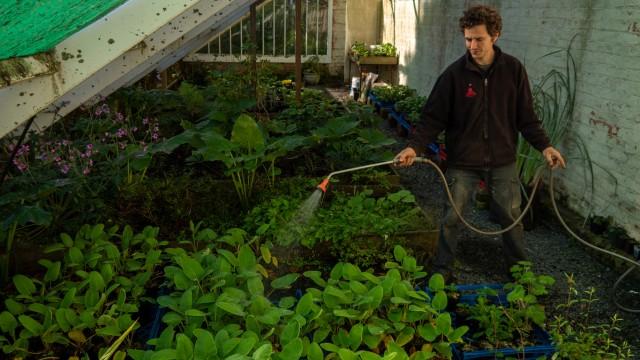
{"x": 65, "y": 168}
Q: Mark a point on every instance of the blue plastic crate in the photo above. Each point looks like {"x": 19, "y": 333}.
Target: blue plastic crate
{"x": 469, "y": 295}
{"x": 540, "y": 337}
{"x": 399, "y": 118}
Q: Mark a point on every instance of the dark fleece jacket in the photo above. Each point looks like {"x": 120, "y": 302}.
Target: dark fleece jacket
{"x": 481, "y": 113}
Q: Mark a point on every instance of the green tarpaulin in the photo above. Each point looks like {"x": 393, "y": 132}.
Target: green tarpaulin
{"x": 28, "y": 27}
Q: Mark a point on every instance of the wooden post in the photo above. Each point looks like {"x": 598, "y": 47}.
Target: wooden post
{"x": 298, "y": 50}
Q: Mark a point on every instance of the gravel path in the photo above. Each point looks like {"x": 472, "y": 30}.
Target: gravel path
{"x": 551, "y": 249}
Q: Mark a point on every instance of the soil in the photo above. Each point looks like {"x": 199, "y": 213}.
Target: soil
{"x": 550, "y": 248}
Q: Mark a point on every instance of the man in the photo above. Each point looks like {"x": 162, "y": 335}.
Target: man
{"x": 482, "y": 101}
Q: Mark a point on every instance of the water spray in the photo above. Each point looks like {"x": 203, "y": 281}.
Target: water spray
{"x": 538, "y": 176}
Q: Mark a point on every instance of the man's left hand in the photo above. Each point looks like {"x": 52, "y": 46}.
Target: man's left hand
{"x": 554, "y": 158}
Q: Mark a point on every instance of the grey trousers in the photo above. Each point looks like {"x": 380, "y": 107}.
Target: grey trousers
{"x": 504, "y": 187}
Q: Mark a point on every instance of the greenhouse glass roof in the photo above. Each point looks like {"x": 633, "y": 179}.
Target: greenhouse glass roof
{"x": 28, "y": 27}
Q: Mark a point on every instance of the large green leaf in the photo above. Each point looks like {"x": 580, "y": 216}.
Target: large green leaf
{"x": 314, "y": 352}
{"x": 346, "y": 354}
{"x": 246, "y": 259}
{"x": 284, "y": 282}
{"x": 428, "y": 332}
{"x": 205, "y": 347}
{"x": 374, "y": 138}
{"x": 8, "y": 322}
{"x": 291, "y": 331}
{"x": 30, "y": 324}
{"x": 316, "y": 277}
{"x": 232, "y": 308}
{"x": 443, "y": 323}
{"x": 246, "y": 133}
{"x": 255, "y": 286}
{"x": 439, "y": 301}
{"x": 304, "y": 304}
{"x": 263, "y": 352}
{"x": 336, "y": 127}
{"x": 165, "y": 354}
{"x": 169, "y": 145}
{"x": 215, "y": 147}
{"x": 192, "y": 268}
{"x": 436, "y": 282}
{"x": 24, "y": 285}
{"x": 29, "y": 215}
{"x": 292, "y": 351}
{"x": 96, "y": 281}
{"x": 355, "y": 336}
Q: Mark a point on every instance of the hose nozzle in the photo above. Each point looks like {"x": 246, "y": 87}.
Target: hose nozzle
{"x": 323, "y": 185}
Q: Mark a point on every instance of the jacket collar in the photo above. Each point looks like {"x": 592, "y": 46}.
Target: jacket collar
{"x": 471, "y": 65}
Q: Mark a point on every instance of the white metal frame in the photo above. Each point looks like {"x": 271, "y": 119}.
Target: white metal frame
{"x": 118, "y": 49}
{"x": 326, "y": 59}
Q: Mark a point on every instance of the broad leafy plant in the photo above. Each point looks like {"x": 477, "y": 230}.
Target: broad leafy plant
{"x": 84, "y": 301}
{"x": 221, "y": 306}
{"x": 511, "y": 324}
{"x": 242, "y": 153}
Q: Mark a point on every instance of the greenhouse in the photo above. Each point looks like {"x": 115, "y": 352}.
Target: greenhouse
{"x": 319, "y": 179}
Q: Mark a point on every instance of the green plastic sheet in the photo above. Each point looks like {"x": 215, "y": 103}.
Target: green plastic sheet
{"x": 28, "y": 27}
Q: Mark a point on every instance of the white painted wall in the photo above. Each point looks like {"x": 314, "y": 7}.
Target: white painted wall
{"x": 606, "y": 49}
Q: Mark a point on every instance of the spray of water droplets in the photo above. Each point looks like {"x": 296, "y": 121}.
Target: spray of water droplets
{"x": 295, "y": 231}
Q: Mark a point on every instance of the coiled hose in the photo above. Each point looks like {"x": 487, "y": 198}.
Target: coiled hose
{"x": 536, "y": 180}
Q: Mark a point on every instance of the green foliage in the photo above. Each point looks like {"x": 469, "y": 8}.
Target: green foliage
{"x": 386, "y": 49}
{"x": 242, "y": 154}
{"x": 85, "y": 300}
{"x": 218, "y": 308}
{"x": 576, "y": 336}
{"x": 412, "y": 107}
{"x": 360, "y": 49}
{"x": 345, "y": 227}
{"x": 511, "y": 325}
{"x": 193, "y": 98}
{"x": 394, "y": 93}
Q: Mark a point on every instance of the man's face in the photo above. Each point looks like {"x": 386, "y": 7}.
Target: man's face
{"x": 480, "y": 43}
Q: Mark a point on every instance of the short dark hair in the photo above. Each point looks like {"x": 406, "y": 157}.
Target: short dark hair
{"x": 482, "y": 14}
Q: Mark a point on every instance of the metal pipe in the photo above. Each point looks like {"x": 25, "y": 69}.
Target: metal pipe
{"x": 323, "y": 185}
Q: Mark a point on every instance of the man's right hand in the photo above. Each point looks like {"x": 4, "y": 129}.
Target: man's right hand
{"x": 405, "y": 157}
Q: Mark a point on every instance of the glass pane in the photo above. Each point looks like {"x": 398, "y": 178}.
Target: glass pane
{"x": 312, "y": 19}
{"x": 214, "y": 46}
{"x": 235, "y": 39}
{"x": 323, "y": 25}
{"x": 224, "y": 42}
{"x": 259, "y": 44}
{"x": 303, "y": 26}
{"x": 268, "y": 29}
{"x": 204, "y": 50}
{"x": 246, "y": 35}
{"x": 291, "y": 28}
{"x": 279, "y": 26}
